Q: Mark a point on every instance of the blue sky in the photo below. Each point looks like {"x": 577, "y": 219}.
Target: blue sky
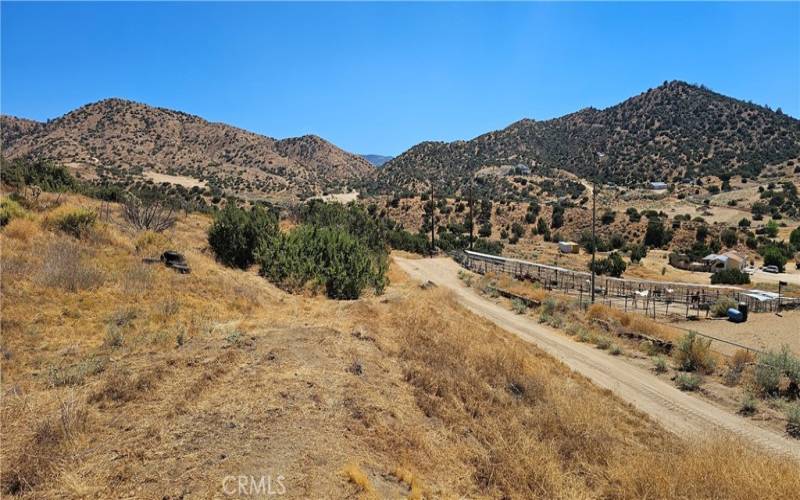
{"x": 379, "y": 78}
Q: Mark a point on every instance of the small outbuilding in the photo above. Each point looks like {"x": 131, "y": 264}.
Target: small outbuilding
{"x": 728, "y": 260}
{"x": 658, "y": 185}
{"x": 568, "y": 247}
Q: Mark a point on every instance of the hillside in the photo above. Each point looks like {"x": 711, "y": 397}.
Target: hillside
{"x": 668, "y": 133}
{"x": 136, "y": 381}
{"x": 119, "y": 141}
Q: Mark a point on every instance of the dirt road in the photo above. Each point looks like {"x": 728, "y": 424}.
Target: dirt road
{"x": 677, "y": 411}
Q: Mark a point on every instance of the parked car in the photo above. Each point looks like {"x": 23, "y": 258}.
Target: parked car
{"x": 749, "y": 270}
{"x": 771, "y": 269}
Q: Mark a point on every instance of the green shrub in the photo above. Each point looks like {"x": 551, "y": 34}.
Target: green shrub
{"x": 613, "y": 265}
{"x": 778, "y": 373}
{"x": 688, "y": 381}
{"x": 9, "y": 209}
{"x": 720, "y": 308}
{"x": 603, "y": 343}
{"x": 691, "y": 353}
{"x": 43, "y": 173}
{"x": 773, "y": 256}
{"x": 730, "y": 277}
{"x": 519, "y": 306}
{"x": 794, "y": 237}
{"x": 400, "y": 239}
{"x": 749, "y": 404}
{"x": 615, "y": 350}
{"x": 656, "y": 235}
{"x": 660, "y": 364}
{"x": 326, "y": 256}
{"x": 793, "y": 421}
{"x": 236, "y": 234}
{"x": 76, "y": 221}
{"x": 638, "y": 252}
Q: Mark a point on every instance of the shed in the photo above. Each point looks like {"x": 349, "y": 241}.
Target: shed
{"x": 728, "y": 260}
{"x": 658, "y": 185}
{"x": 568, "y": 247}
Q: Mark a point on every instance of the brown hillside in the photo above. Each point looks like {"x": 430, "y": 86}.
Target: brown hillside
{"x": 118, "y": 140}
{"x": 672, "y": 132}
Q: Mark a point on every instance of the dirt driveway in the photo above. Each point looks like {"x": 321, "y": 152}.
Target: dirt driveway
{"x": 675, "y": 410}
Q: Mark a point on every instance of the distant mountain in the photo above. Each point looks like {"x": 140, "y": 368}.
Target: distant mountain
{"x": 675, "y": 131}
{"x": 120, "y": 141}
{"x": 377, "y": 160}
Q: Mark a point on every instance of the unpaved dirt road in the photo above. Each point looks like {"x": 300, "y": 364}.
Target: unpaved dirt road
{"x": 675, "y": 410}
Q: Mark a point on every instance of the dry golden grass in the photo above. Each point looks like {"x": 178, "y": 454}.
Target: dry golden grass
{"x": 634, "y": 322}
{"x": 153, "y": 383}
{"x": 21, "y": 229}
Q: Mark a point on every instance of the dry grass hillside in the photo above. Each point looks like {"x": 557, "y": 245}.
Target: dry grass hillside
{"x": 118, "y": 140}
{"x": 127, "y": 379}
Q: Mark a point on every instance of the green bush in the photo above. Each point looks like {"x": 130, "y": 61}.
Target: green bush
{"x": 794, "y": 237}
{"x": 76, "y": 221}
{"x": 518, "y": 306}
{"x": 749, "y": 404}
{"x": 43, "y": 173}
{"x": 613, "y": 265}
{"x": 688, "y": 381}
{"x": 400, "y": 239}
{"x": 660, "y": 364}
{"x": 692, "y": 353}
{"x": 773, "y": 256}
{"x": 326, "y": 256}
{"x": 728, "y": 237}
{"x": 730, "y": 277}
{"x": 720, "y": 308}
{"x": 656, "y": 235}
{"x": 9, "y": 209}
{"x": 490, "y": 247}
{"x": 793, "y": 421}
{"x": 778, "y": 373}
{"x": 236, "y": 234}
{"x": 638, "y": 252}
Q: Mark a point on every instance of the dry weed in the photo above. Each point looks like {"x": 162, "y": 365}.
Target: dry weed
{"x": 64, "y": 267}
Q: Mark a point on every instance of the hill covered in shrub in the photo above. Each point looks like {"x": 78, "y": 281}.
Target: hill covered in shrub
{"x": 668, "y": 133}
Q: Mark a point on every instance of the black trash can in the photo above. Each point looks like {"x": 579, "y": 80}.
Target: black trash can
{"x": 743, "y": 310}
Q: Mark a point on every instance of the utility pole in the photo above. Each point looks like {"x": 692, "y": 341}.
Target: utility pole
{"x": 594, "y": 220}
{"x": 594, "y": 239}
{"x": 471, "y": 214}
{"x": 433, "y": 220}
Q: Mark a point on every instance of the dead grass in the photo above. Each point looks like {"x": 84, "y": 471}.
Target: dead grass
{"x": 65, "y": 267}
{"x": 22, "y": 229}
{"x": 219, "y": 373}
{"x": 634, "y": 322}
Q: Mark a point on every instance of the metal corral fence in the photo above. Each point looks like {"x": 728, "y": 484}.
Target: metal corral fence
{"x": 651, "y": 297}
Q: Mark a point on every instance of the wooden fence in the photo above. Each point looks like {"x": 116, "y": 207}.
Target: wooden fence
{"x": 651, "y": 297}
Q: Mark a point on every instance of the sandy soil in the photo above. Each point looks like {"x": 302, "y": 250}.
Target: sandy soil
{"x": 677, "y": 411}
{"x": 339, "y": 197}
{"x": 762, "y": 331}
{"x": 187, "y": 182}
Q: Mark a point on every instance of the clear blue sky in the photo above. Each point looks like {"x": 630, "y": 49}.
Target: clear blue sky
{"x": 378, "y": 78}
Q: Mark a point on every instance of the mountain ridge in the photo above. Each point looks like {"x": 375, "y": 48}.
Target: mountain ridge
{"x": 115, "y": 138}
{"x": 674, "y": 131}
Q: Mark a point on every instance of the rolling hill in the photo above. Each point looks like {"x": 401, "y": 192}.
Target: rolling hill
{"x": 115, "y": 140}
{"x": 668, "y": 133}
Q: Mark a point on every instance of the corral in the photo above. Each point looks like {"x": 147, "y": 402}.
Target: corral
{"x": 651, "y": 297}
